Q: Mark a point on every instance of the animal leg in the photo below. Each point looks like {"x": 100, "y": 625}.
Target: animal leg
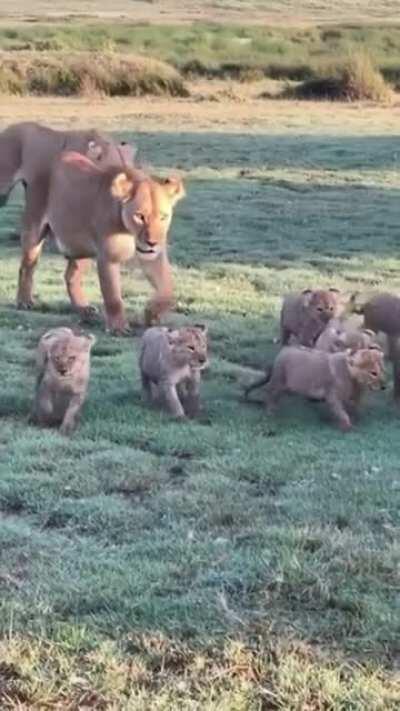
{"x": 110, "y": 283}
{"x": 30, "y": 257}
{"x": 31, "y": 240}
{"x": 76, "y": 269}
{"x": 394, "y": 355}
{"x": 190, "y": 396}
{"x": 338, "y": 411}
{"x": 171, "y": 400}
{"x": 71, "y": 416}
{"x": 159, "y": 273}
{"x": 146, "y": 387}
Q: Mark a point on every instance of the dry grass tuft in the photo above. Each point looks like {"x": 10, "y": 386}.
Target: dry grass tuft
{"x": 105, "y": 74}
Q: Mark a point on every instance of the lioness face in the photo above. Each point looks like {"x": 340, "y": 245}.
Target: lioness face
{"x": 367, "y": 367}
{"x": 189, "y": 346}
{"x": 147, "y": 206}
{"x": 322, "y": 304}
{"x": 68, "y": 356}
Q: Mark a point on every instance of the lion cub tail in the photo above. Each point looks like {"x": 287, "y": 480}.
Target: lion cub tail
{"x": 264, "y": 380}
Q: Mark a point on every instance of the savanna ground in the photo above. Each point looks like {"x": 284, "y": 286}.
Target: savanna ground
{"x": 235, "y": 562}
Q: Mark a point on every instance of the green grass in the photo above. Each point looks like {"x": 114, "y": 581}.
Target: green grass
{"x": 236, "y": 562}
{"x": 219, "y": 50}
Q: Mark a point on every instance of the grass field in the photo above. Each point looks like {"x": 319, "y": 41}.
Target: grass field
{"x": 236, "y": 563}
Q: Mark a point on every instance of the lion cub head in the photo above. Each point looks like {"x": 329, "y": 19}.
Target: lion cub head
{"x": 321, "y": 304}
{"x": 189, "y": 346}
{"x": 366, "y": 367}
{"x": 67, "y": 355}
{"x": 147, "y": 206}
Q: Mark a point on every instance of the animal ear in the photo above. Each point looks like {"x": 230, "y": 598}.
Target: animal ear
{"x": 173, "y": 336}
{"x": 307, "y": 295}
{"x": 128, "y": 153}
{"x": 201, "y": 327}
{"x": 122, "y": 187}
{"x": 335, "y": 291}
{"x": 89, "y": 340}
{"x": 94, "y": 151}
{"x": 174, "y": 188}
{"x": 368, "y": 332}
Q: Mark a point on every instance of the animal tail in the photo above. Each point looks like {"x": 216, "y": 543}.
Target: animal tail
{"x": 259, "y": 382}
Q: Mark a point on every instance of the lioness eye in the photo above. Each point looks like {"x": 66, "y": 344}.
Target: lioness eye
{"x": 374, "y": 373}
{"x": 163, "y": 218}
{"x": 191, "y": 348}
{"x": 139, "y": 216}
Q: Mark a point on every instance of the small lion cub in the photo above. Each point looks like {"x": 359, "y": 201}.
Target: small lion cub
{"x": 304, "y": 316}
{"x": 171, "y": 361}
{"x": 63, "y": 365}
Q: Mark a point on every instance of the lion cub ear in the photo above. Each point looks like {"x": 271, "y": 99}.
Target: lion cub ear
{"x": 94, "y": 150}
{"x": 201, "y": 327}
{"x": 89, "y": 340}
{"x": 174, "y": 188}
{"x": 307, "y": 295}
{"x": 173, "y": 336}
{"x": 122, "y": 187}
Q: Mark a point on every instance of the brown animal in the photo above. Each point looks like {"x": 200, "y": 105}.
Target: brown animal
{"x": 338, "y": 336}
{"x": 170, "y": 364}
{"x": 304, "y": 316}
{"x": 338, "y": 378}
{"x": 63, "y": 365}
{"x": 382, "y": 314}
{"x": 112, "y": 216}
{"x": 27, "y": 154}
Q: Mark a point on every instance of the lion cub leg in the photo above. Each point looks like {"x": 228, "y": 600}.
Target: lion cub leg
{"x": 394, "y": 355}
{"x": 169, "y": 396}
{"x": 72, "y": 413}
{"x": 76, "y": 269}
{"x": 189, "y": 394}
{"x": 338, "y": 411}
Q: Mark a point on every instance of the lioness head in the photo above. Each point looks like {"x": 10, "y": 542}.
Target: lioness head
{"x": 366, "y": 367}
{"x": 321, "y": 304}
{"x": 146, "y": 207}
{"x": 189, "y": 346}
{"x": 68, "y": 355}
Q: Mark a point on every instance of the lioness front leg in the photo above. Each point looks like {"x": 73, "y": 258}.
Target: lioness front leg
{"x": 159, "y": 273}
{"x": 171, "y": 400}
{"x": 76, "y": 269}
{"x": 191, "y": 395}
{"x": 110, "y": 284}
{"x": 71, "y": 416}
{"x": 339, "y": 412}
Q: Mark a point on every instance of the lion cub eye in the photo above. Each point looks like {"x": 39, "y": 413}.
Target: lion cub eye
{"x": 191, "y": 348}
{"x": 374, "y": 373}
{"x": 320, "y": 308}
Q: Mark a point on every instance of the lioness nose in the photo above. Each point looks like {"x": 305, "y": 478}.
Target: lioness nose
{"x": 202, "y": 359}
{"x": 151, "y": 243}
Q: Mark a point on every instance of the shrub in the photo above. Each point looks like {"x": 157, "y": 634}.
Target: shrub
{"x": 356, "y": 79}
{"x": 108, "y": 74}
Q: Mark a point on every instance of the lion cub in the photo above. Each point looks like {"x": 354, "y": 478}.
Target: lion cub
{"x": 170, "y": 364}
{"x": 382, "y": 314}
{"x": 337, "y": 378}
{"x": 337, "y": 336}
{"x": 304, "y": 316}
{"x": 63, "y": 365}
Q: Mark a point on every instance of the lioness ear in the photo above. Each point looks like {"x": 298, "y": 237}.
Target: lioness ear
{"x": 122, "y": 186}
{"x": 175, "y": 189}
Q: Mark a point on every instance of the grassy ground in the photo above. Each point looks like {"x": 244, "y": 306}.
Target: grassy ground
{"x": 244, "y": 51}
{"x": 235, "y": 563}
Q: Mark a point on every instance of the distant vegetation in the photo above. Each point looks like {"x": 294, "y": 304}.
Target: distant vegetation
{"x": 200, "y": 50}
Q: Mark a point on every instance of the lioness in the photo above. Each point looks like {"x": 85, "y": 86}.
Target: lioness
{"x": 337, "y": 378}
{"x": 27, "y": 154}
{"x": 304, "y": 316}
{"x": 170, "y": 364}
{"x": 382, "y": 314}
{"x": 63, "y": 364}
{"x": 111, "y": 216}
